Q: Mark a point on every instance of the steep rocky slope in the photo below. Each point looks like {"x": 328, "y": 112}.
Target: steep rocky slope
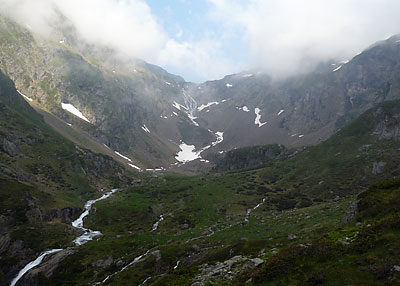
{"x": 44, "y": 182}
{"x": 300, "y": 110}
{"x": 125, "y": 104}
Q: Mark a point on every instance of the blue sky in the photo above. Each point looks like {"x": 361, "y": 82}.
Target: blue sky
{"x": 192, "y": 21}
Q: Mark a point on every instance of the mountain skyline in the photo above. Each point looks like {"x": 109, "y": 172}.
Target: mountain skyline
{"x": 188, "y": 37}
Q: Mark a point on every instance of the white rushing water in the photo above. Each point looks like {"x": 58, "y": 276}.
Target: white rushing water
{"x": 32, "y": 264}
{"x": 136, "y": 260}
{"x": 246, "y": 219}
{"x": 88, "y": 234}
{"x": 155, "y": 226}
{"x": 80, "y": 240}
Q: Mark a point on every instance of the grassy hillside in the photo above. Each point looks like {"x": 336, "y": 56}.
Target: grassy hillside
{"x": 209, "y": 235}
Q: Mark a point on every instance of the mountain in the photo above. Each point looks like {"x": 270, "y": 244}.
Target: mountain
{"x": 131, "y": 108}
{"x": 248, "y": 224}
{"x": 300, "y": 110}
{"x": 44, "y": 182}
{"x": 121, "y": 104}
{"x": 295, "y": 180}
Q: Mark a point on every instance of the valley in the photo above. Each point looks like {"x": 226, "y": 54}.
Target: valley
{"x": 116, "y": 172}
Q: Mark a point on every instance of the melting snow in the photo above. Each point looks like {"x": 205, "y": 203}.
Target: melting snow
{"x": 300, "y": 136}
{"x": 69, "y": 124}
{"x": 201, "y": 107}
{"x": 280, "y": 112}
{"x": 178, "y": 106}
{"x": 228, "y": 85}
{"x": 28, "y": 98}
{"x": 168, "y": 83}
{"x": 174, "y": 113}
{"x": 248, "y": 75}
{"x": 220, "y": 138}
{"x": 244, "y": 108}
{"x": 258, "y": 118}
{"x": 70, "y": 108}
{"x": 225, "y": 100}
{"x": 122, "y": 156}
{"x": 338, "y": 68}
{"x": 134, "y": 166}
{"x": 144, "y": 127}
{"x": 187, "y": 153}
{"x": 192, "y": 118}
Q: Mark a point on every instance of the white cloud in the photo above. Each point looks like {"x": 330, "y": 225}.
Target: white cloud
{"x": 282, "y": 36}
{"x": 288, "y": 36}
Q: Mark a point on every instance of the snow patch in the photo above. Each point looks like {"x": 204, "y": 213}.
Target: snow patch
{"x": 301, "y": 136}
{"x": 62, "y": 42}
{"x": 280, "y": 112}
{"x": 248, "y": 75}
{"x": 134, "y": 166}
{"x": 72, "y": 109}
{"x": 26, "y": 97}
{"x": 258, "y": 118}
{"x": 122, "y": 156}
{"x": 203, "y": 106}
{"x": 338, "y": 68}
{"x": 174, "y": 113}
{"x": 192, "y": 118}
{"x": 187, "y": 153}
{"x": 168, "y": 83}
{"x": 228, "y": 85}
{"x": 244, "y": 108}
{"x": 144, "y": 127}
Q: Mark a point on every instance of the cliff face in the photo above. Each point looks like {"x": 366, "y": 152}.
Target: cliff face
{"x": 303, "y": 109}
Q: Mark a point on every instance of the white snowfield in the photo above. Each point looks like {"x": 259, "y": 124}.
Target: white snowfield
{"x": 258, "y": 118}
{"x": 70, "y": 108}
{"x": 280, "y": 112}
{"x": 188, "y": 152}
{"x": 144, "y": 127}
{"x": 203, "y": 106}
{"x": 26, "y": 97}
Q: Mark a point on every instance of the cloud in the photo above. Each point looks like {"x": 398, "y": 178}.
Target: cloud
{"x": 290, "y": 36}
{"x": 283, "y": 37}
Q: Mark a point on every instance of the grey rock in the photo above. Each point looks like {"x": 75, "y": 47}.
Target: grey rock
{"x": 351, "y": 212}
{"x": 256, "y": 261}
{"x": 157, "y": 254}
{"x": 377, "y": 167}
